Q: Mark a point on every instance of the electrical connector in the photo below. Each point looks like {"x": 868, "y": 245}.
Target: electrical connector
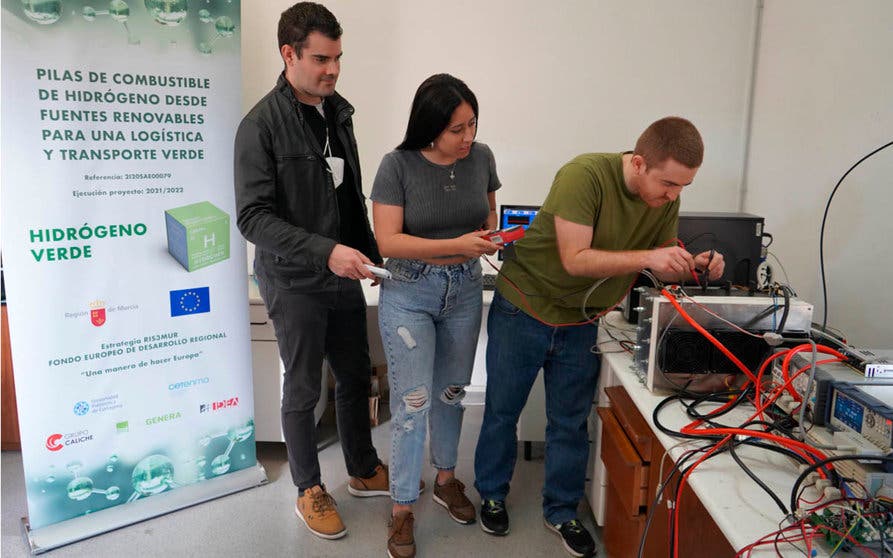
{"x": 811, "y": 478}
{"x": 822, "y": 484}
{"x": 831, "y": 493}
{"x": 773, "y": 339}
{"x": 786, "y": 402}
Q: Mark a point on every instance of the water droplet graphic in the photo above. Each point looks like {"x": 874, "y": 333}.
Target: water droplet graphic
{"x": 119, "y": 10}
{"x": 80, "y": 488}
{"x": 152, "y": 475}
{"x": 43, "y": 12}
{"x": 220, "y": 464}
{"x": 225, "y": 26}
{"x": 243, "y": 433}
{"x": 113, "y": 493}
{"x": 167, "y": 12}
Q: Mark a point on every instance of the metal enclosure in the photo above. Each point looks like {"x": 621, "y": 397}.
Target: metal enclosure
{"x": 658, "y": 318}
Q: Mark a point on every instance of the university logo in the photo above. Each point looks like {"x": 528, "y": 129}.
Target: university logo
{"x": 190, "y": 301}
{"x": 97, "y": 312}
{"x": 81, "y": 408}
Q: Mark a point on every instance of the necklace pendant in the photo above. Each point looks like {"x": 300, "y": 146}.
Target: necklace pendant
{"x": 453, "y": 175}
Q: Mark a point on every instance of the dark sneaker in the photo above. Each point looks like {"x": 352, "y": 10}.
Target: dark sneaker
{"x": 576, "y": 538}
{"x": 451, "y": 495}
{"x": 494, "y": 518}
{"x": 401, "y": 542}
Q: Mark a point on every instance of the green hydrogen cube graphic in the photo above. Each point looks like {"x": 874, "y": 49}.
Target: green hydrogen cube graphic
{"x": 197, "y": 235}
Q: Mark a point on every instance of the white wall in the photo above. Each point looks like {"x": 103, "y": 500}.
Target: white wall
{"x": 561, "y": 78}
{"x": 553, "y": 79}
{"x": 823, "y": 100}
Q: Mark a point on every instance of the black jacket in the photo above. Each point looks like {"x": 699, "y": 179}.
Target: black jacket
{"x": 285, "y": 196}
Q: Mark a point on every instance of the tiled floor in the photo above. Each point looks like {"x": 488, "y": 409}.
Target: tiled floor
{"x": 261, "y": 521}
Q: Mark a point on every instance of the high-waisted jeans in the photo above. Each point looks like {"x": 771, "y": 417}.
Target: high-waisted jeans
{"x": 430, "y": 319}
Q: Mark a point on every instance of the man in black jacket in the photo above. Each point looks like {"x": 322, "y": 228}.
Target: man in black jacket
{"x": 299, "y": 200}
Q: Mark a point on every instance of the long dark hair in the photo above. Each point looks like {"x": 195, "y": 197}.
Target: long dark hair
{"x": 435, "y": 100}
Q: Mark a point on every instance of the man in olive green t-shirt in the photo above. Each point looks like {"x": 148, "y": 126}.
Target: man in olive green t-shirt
{"x": 607, "y": 217}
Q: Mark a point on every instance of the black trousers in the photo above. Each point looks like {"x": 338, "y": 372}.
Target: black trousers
{"x": 310, "y": 327}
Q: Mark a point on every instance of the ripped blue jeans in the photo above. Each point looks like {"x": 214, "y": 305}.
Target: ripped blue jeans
{"x": 430, "y": 319}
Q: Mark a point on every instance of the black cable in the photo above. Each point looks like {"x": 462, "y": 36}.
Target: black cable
{"x": 769, "y": 310}
{"x": 748, "y": 441}
{"x": 787, "y": 540}
{"x": 677, "y": 491}
{"x": 697, "y": 236}
{"x": 655, "y": 418}
{"x": 822, "y": 233}
{"x": 663, "y": 486}
{"x": 757, "y": 480}
{"x": 719, "y": 397}
{"x": 787, "y": 308}
{"x": 676, "y": 467}
{"x": 819, "y": 464}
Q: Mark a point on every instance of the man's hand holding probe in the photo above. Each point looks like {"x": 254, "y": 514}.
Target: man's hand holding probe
{"x": 675, "y": 263}
{"x": 350, "y": 263}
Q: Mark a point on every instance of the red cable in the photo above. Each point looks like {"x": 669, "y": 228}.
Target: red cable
{"x": 799, "y": 348}
{"x": 532, "y": 313}
{"x": 801, "y": 448}
{"x": 707, "y": 334}
{"x": 759, "y": 382}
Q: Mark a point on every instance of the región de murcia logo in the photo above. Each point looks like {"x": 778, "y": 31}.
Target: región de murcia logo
{"x": 97, "y": 312}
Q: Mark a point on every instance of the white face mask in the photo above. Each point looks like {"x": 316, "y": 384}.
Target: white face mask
{"x": 336, "y": 167}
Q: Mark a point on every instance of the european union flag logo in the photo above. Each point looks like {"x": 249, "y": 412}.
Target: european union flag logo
{"x": 190, "y": 301}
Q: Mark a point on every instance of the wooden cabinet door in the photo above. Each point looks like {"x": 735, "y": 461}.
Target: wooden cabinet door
{"x": 9, "y": 436}
{"x": 627, "y": 472}
{"x": 632, "y": 456}
{"x": 627, "y": 414}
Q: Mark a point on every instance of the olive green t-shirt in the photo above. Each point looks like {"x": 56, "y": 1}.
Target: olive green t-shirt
{"x": 589, "y": 190}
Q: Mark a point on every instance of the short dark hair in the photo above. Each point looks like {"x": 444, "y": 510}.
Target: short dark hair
{"x": 302, "y": 19}
{"x": 432, "y": 108}
{"x": 671, "y": 138}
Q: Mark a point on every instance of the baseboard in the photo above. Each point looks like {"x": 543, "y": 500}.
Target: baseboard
{"x": 475, "y": 395}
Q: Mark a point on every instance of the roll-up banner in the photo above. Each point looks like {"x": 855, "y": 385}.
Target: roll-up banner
{"x": 125, "y": 274}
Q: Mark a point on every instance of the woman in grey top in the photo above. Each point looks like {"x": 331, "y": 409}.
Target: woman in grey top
{"x": 434, "y": 198}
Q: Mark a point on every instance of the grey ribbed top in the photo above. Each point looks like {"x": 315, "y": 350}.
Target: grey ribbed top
{"x": 434, "y": 206}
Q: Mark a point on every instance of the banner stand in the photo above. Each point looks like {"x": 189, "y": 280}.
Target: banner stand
{"x": 79, "y": 528}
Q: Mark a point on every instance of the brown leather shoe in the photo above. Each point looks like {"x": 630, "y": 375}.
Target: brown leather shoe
{"x": 316, "y": 508}
{"x": 376, "y": 485}
{"x": 451, "y": 495}
{"x": 401, "y": 542}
